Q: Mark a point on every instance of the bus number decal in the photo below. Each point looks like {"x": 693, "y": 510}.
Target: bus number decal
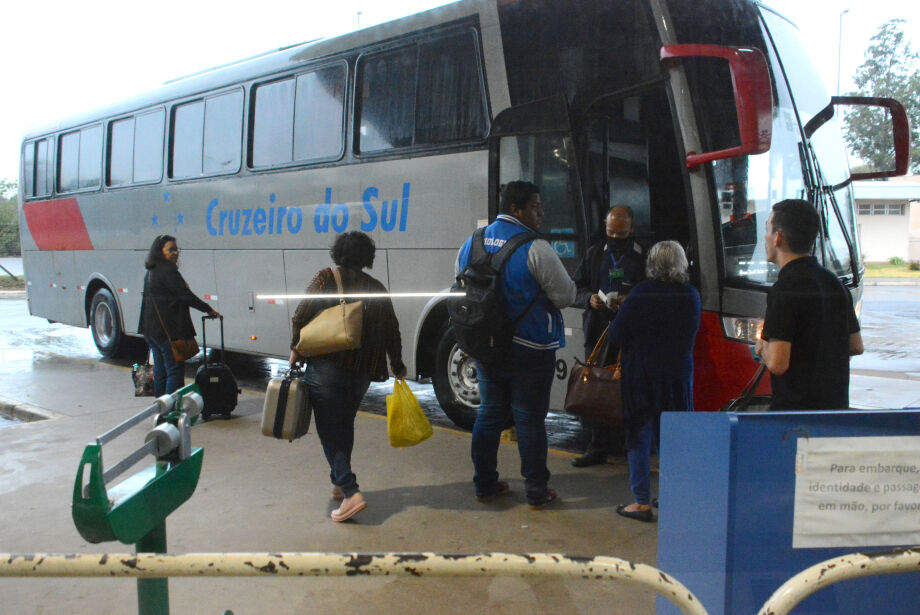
{"x": 562, "y": 370}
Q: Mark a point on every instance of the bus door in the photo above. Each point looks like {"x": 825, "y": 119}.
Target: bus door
{"x": 631, "y": 158}
{"x": 533, "y": 142}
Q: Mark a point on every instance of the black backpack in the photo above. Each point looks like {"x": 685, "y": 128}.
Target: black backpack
{"x": 481, "y": 326}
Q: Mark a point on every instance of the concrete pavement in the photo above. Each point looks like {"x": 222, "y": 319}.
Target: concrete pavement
{"x": 257, "y": 494}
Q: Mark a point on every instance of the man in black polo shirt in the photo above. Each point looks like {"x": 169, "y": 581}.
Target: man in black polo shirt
{"x": 810, "y": 330}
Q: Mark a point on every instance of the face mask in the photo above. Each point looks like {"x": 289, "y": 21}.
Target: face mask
{"x": 617, "y": 244}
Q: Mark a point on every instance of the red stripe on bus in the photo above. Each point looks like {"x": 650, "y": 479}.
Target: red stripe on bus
{"x": 57, "y": 225}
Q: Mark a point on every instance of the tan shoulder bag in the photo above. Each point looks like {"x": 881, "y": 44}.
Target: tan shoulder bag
{"x": 334, "y": 329}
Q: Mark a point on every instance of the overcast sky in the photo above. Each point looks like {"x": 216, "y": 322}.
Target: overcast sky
{"x": 62, "y": 57}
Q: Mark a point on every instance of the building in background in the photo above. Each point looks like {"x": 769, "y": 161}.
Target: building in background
{"x": 888, "y": 218}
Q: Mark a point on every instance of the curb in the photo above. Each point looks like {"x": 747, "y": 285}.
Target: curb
{"x": 12, "y": 294}
{"x": 24, "y": 412}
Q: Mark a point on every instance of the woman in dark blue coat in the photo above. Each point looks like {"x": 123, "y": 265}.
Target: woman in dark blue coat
{"x": 655, "y": 330}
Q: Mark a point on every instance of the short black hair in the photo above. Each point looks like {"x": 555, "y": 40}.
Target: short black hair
{"x": 798, "y": 221}
{"x": 517, "y": 194}
{"x": 155, "y": 255}
{"x": 353, "y": 250}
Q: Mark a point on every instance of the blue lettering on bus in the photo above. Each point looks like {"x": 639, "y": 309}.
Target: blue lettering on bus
{"x": 294, "y": 220}
{"x": 258, "y": 221}
{"x": 233, "y": 222}
{"x": 327, "y": 215}
{"x": 247, "y": 217}
{"x": 211, "y": 207}
{"x": 339, "y": 217}
{"x": 371, "y": 224}
{"x": 405, "y": 208}
{"x": 281, "y": 212}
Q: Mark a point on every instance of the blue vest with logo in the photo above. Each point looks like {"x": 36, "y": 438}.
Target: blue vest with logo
{"x": 542, "y": 328}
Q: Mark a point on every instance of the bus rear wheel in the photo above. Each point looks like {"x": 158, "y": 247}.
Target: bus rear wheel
{"x": 105, "y": 324}
{"x": 456, "y": 384}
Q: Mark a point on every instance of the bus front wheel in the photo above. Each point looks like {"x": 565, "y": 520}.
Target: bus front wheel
{"x": 105, "y": 324}
{"x": 455, "y": 382}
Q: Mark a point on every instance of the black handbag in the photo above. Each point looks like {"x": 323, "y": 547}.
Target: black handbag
{"x": 594, "y": 391}
{"x": 748, "y": 402}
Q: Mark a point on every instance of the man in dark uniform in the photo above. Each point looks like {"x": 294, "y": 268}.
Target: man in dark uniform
{"x": 810, "y": 330}
{"x": 613, "y": 266}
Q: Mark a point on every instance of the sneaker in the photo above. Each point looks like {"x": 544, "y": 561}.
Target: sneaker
{"x": 337, "y": 494}
{"x": 501, "y": 489}
{"x": 349, "y": 508}
{"x": 548, "y": 498}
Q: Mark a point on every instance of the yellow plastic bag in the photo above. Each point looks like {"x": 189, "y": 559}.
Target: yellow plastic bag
{"x": 407, "y": 425}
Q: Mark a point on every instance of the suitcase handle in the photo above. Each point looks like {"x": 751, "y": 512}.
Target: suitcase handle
{"x": 204, "y": 336}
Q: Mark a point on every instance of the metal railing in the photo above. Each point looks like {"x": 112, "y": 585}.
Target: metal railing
{"x": 152, "y": 565}
{"x": 829, "y": 572}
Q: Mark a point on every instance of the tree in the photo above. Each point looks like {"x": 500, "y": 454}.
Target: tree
{"x": 9, "y": 219}
{"x": 891, "y": 69}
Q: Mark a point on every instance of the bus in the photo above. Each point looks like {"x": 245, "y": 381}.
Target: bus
{"x": 698, "y": 114}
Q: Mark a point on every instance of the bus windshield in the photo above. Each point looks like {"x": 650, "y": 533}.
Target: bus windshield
{"x": 827, "y": 150}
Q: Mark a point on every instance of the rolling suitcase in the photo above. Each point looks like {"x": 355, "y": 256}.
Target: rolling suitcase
{"x": 286, "y": 413}
{"x": 215, "y": 380}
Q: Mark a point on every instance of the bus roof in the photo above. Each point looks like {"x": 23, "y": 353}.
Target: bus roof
{"x": 268, "y": 63}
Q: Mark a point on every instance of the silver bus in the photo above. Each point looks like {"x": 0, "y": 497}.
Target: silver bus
{"x": 699, "y": 114}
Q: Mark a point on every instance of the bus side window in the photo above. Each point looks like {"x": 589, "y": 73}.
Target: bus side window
{"x": 426, "y": 93}
{"x": 207, "y": 136}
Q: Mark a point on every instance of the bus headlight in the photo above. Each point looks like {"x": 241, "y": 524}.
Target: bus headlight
{"x": 742, "y": 329}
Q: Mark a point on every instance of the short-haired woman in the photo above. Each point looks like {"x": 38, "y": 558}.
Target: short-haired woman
{"x": 165, "y": 313}
{"x": 655, "y": 330}
{"x": 337, "y": 382}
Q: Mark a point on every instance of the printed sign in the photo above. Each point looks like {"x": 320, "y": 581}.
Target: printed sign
{"x": 857, "y": 492}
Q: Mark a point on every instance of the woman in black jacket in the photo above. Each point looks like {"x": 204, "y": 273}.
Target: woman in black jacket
{"x": 165, "y": 313}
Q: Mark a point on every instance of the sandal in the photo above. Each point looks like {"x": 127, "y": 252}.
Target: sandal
{"x": 638, "y": 515}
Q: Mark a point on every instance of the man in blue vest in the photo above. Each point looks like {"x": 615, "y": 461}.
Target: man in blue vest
{"x": 535, "y": 286}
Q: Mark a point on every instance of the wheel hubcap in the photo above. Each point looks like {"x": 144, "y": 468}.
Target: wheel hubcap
{"x": 103, "y": 324}
{"x": 461, "y": 374}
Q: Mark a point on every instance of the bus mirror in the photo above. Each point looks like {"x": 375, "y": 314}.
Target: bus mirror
{"x": 900, "y": 129}
{"x": 753, "y": 97}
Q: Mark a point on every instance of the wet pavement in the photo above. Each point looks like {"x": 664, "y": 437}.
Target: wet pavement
{"x": 890, "y": 320}
{"x": 25, "y": 339}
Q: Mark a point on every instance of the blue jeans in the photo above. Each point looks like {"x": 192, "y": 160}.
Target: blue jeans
{"x": 640, "y": 442}
{"x": 168, "y": 376}
{"x": 335, "y": 395}
{"x": 518, "y": 389}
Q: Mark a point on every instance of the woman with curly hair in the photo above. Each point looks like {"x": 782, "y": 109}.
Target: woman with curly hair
{"x": 337, "y": 382}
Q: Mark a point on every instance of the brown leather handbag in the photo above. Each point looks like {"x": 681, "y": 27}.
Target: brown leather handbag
{"x": 334, "y": 329}
{"x": 594, "y": 392}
